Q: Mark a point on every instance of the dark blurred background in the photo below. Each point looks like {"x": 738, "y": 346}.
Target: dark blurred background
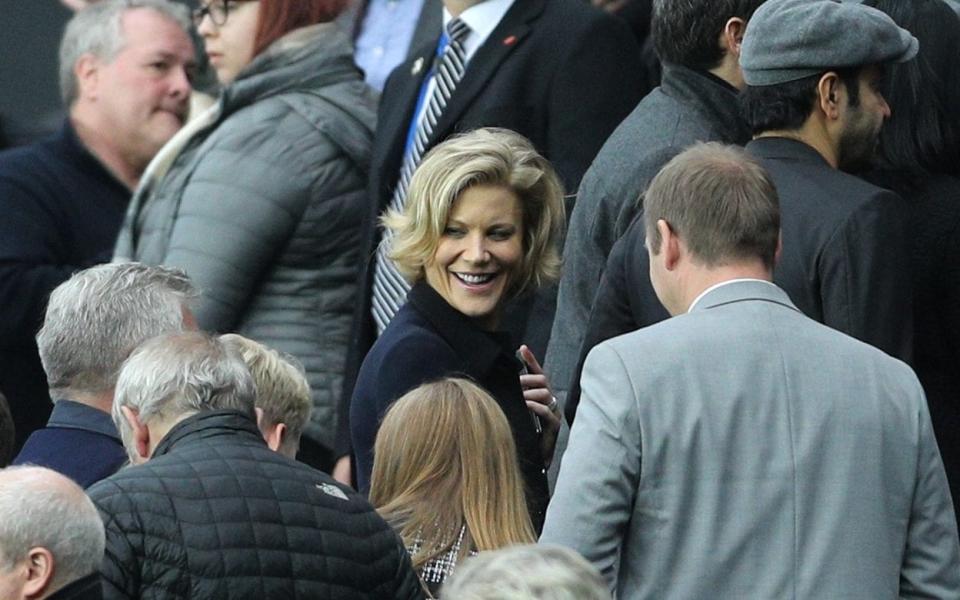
{"x": 29, "y": 95}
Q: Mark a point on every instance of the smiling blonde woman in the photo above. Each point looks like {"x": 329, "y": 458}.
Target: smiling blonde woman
{"x": 482, "y": 224}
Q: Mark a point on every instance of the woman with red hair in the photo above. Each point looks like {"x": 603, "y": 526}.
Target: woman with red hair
{"x": 260, "y": 199}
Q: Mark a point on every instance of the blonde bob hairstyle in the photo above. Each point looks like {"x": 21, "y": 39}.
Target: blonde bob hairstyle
{"x": 283, "y": 393}
{"x": 488, "y": 156}
{"x": 445, "y": 458}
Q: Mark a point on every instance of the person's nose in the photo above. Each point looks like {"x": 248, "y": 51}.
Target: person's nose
{"x": 180, "y": 86}
{"x": 885, "y": 108}
{"x": 206, "y": 28}
{"x": 476, "y": 249}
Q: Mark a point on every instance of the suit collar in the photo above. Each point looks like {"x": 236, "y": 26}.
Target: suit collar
{"x": 505, "y": 38}
{"x": 403, "y": 89}
{"x": 401, "y": 93}
{"x": 482, "y": 19}
{"x": 742, "y": 290}
{"x": 709, "y": 95}
{"x": 68, "y": 414}
{"x": 786, "y": 148}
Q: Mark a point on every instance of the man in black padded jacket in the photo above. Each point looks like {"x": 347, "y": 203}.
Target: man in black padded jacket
{"x": 209, "y": 511}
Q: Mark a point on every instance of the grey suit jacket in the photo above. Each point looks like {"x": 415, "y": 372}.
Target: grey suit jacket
{"x": 745, "y": 451}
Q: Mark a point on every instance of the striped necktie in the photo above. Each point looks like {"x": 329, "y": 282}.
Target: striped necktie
{"x": 389, "y": 287}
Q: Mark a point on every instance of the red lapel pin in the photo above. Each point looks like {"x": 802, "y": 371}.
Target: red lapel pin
{"x": 509, "y": 40}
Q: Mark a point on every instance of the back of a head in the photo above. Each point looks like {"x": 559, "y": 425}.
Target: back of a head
{"x": 923, "y": 134}
{"x": 283, "y": 393}
{"x": 445, "y": 457}
{"x": 98, "y": 316}
{"x": 97, "y": 30}
{"x": 42, "y": 508}
{"x": 527, "y": 572}
{"x": 175, "y": 375}
{"x": 720, "y": 201}
{"x": 687, "y": 32}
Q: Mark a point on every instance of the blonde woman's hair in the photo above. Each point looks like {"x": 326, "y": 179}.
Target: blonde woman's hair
{"x": 488, "y": 156}
{"x": 283, "y": 393}
{"x": 445, "y": 458}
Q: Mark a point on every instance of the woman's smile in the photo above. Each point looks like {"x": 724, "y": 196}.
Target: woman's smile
{"x": 479, "y": 252}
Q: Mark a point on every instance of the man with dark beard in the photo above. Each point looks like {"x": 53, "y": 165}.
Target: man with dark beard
{"x": 814, "y": 106}
{"x": 814, "y": 109}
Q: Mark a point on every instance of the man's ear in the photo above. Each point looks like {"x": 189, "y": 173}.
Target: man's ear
{"x": 141, "y": 434}
{"x": 779, "y": 251}
{"x": 831, "y": 94}
{"x": 39, "y": 569}
{"x": 669, "y": 245}
{"x": 732, "y": 37}
{"x": 87, "y": 73}
{"x": 273, "y": 435}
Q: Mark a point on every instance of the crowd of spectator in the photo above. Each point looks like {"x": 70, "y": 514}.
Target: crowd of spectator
{"x": 274, "y": 299}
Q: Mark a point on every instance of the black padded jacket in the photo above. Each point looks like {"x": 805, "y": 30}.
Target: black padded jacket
{"x": 216, "y": 514}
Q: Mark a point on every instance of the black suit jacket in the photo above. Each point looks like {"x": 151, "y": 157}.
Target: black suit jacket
{"x": 845, "y": 258}
{"x": 560, "y": 72}
{"x": 557, "y": 71}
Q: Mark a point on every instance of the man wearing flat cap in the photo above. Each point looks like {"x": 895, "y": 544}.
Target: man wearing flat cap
{"x": 698, "y": 42}
{"x": 812, "y": 69}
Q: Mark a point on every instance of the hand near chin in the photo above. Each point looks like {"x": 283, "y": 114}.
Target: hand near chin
{"x": 540, "y": 400}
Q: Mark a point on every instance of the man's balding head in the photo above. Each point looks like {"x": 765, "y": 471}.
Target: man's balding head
{"x": 50, "y": 533}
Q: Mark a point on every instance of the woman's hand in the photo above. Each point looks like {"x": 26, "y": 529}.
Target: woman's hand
{"x": 540, "y": 400}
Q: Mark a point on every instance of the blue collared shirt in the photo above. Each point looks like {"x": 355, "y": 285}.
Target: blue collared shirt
{"x": 384, "y": 40}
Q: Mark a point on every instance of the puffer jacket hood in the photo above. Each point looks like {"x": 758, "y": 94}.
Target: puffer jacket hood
{"x": 310, "y": 59}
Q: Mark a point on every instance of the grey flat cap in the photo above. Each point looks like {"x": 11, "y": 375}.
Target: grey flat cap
{"x": 788, "y": 40}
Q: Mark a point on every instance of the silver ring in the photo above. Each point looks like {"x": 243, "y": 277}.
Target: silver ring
{"x": 553, "y": 404}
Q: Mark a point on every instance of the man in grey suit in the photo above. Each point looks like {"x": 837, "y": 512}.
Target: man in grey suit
{"x": 741, "y": 449}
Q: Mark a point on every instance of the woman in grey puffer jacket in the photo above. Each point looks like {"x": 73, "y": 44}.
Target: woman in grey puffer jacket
{"x": 261, "y": 198}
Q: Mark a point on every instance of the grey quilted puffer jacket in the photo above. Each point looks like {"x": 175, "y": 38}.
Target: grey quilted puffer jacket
{"x": 215, "y": 514}
{"x": 261, "y": 203}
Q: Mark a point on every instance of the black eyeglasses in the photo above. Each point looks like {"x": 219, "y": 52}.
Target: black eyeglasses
{"x": 218, "y": 10}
